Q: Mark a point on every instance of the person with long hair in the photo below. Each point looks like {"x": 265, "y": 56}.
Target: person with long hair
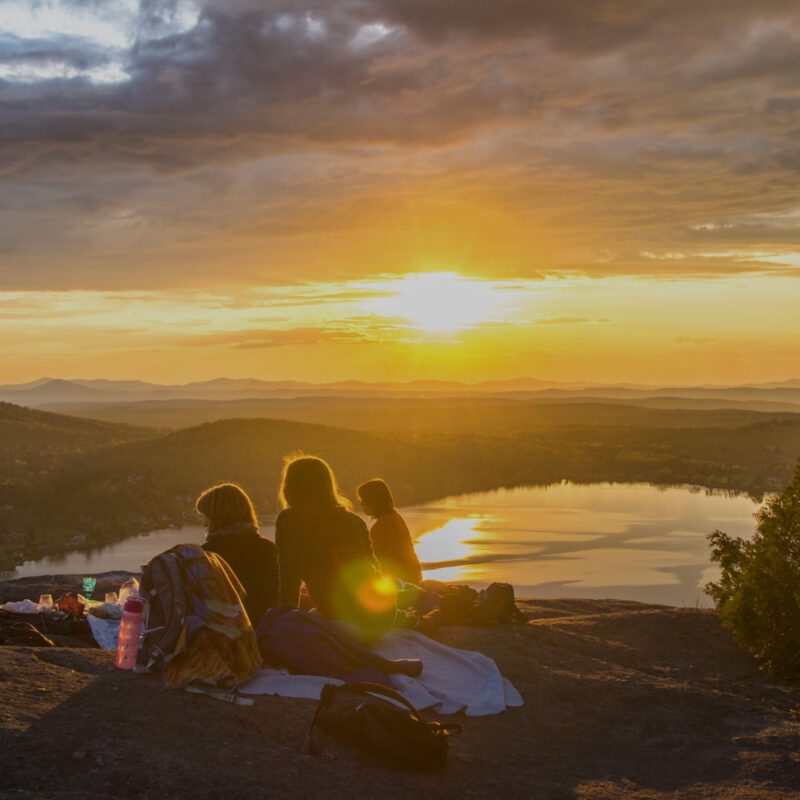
{"x": 323, "y": 544}
{"x": 233, "y": 534}
{"x": 389, "y": 534}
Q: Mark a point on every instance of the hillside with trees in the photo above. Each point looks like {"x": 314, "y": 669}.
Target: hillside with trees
{"x": 35, "y": 444}
{"x": 426, "y": 414}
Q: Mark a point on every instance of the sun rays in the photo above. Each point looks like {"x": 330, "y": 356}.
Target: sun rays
{"x": 440, "y": 302}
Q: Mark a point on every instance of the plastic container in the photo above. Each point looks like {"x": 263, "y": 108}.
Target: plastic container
{"x": 129, "y": 628}
{"x": 128, "y": 589}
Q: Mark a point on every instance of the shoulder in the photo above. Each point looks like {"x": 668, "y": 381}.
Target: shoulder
{"x": 229, "y": 545}
{"x": 267, "y": 548}
{"x": 287, "y": 526}
{"x": 285, "y": 518}
{"x": 355, "y": 522}
{"x": 266, "y": 545}
{"x": 387, "y": 527}
{"x": 391, "y": 520}
{"x": 397, "y": 519}
{"x": 264, "y": 551}
{"x": 379, "y": 524}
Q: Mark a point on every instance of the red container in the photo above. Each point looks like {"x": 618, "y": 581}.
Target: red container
{"x": 129, "y": 628}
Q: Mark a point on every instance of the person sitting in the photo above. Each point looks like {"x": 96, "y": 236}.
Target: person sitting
{"x": 391, "y": 540}
{"x": 322, "y": 543}
{"x": 233, "y": 534}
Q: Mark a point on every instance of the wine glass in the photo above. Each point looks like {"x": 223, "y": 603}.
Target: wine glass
{"x": 45, "y": 602}
{"x": 88, "y": 587}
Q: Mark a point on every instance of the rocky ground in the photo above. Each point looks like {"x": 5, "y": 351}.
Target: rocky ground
{"x": 621, "y": 700}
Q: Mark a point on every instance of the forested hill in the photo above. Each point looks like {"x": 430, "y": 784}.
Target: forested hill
{"x": 107, "y": 493}
{"x": 177, "y": 466}
{"x": 459, "y": 415}
{"x": 34, "y": 444}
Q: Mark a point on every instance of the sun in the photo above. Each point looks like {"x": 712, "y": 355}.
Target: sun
{"x": 439, "y": 302}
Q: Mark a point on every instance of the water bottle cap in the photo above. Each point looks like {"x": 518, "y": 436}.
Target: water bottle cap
{"x": 133, "y": 605}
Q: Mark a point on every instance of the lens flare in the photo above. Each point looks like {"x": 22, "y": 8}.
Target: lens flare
{"x": 377, "y": 595}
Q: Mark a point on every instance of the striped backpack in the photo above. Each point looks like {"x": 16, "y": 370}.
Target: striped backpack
{"x": 196, "y": 628}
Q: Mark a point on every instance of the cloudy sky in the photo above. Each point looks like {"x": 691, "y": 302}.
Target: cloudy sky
{"x": 603, "y": 190}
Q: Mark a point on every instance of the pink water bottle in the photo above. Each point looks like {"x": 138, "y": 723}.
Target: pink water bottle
{"x": 129, "y": 628}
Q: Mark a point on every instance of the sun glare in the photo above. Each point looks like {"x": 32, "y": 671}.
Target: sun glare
{"x": 439, "y": 302}
{"x": 444, "y": 550}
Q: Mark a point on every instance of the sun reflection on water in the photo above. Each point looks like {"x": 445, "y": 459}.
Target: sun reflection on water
{"x": 631, "y": 541}
{"x": 445, "y": 550}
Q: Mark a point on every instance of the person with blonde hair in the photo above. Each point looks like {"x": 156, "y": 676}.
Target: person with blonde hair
{"x": 233, "y": 534}
{"x": 323, "y": 544}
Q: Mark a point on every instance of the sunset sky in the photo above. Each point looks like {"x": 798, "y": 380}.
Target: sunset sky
{"x": 398, "y": 189}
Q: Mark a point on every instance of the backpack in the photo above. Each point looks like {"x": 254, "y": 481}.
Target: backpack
{"x": 197, "y": 631}
{"x": 165, "y": 609}
{"x": 496, "y": 605}
{"x": 23, "y": 634}
{"x": 381, "y": 721}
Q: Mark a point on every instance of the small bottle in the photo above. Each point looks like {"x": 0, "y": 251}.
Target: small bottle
{"x": 129, "y": 628}
{"x": 128, "y": 589}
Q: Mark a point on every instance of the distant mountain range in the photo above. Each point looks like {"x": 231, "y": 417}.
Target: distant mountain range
{"x": 47, "y": 392}
{"x": 56, "y": 390}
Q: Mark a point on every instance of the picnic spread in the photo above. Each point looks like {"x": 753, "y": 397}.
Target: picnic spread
{"x": 186, "y": 622}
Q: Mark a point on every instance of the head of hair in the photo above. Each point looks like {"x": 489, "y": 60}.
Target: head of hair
{"x": 309, "y": 482}
{"x": 224, "y": 505}
{"x": 376, "y": 496}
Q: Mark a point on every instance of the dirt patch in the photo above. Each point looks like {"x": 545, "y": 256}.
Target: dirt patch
{"x": 621, "y": 699}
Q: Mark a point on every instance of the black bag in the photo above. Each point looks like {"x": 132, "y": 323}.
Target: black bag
{"x": 360, "y": 715}
{"x": 496, "y": 606}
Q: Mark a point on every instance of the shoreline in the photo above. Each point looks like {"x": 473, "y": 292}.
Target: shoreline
{"x": 73, "y": 540}
{"x": 636, "y": 541}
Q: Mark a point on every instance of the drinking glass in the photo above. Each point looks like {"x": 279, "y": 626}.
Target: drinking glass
{"x": 88, "y": 587}
{"x": 111, "y": 597}
{"x": 45, "y": 602}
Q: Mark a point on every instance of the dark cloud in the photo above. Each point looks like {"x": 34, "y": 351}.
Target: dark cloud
{"x": 67, "y": 50}
{"x": 583, "y": 25}
{"x": 783, "y": 105}
{"x": 260, "y": 131}
{"x": 272, "y": 70}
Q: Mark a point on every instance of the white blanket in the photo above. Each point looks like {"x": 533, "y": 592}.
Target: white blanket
{"x": 451, "y": 681}
{"x": 22, "y": 607}
{"x": 105, "y": 631}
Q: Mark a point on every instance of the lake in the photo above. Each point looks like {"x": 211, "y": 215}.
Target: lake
{"x": 625, "y": 541}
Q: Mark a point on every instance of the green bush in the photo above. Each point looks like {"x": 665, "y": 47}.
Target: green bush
{"x": 758, "y": 594}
